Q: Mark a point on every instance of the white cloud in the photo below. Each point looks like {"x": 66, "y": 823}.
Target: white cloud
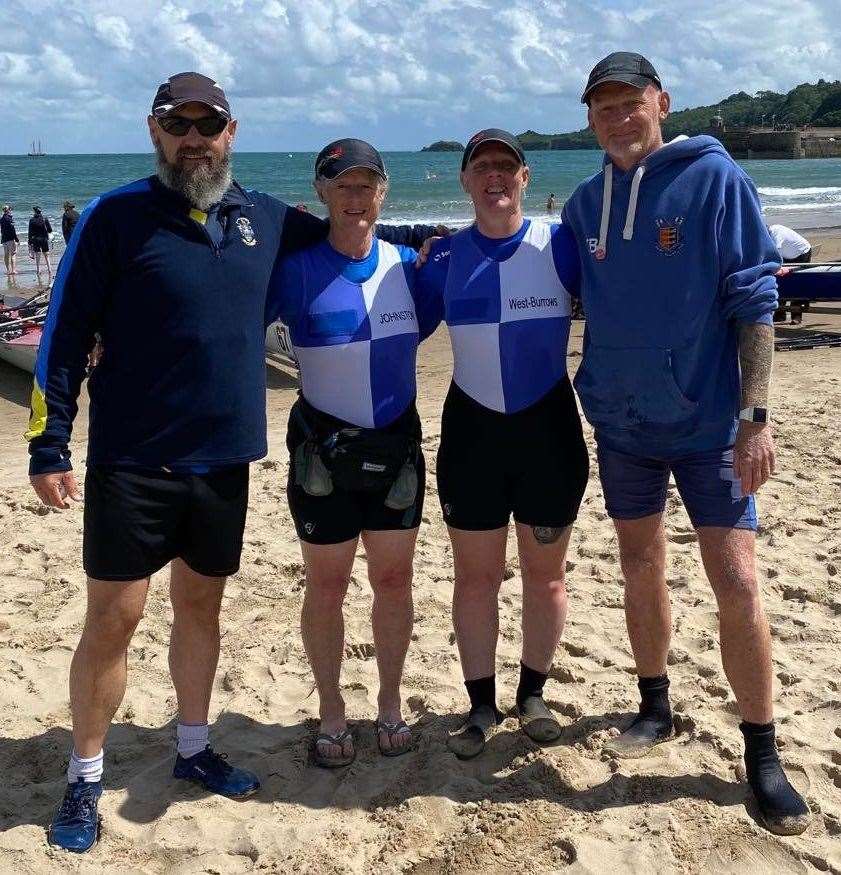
{"x": 396, "y": 71}
{"x": 114, "y": 30}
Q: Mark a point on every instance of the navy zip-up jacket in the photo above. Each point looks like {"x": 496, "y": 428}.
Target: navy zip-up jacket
{"x": 180, "y": 311}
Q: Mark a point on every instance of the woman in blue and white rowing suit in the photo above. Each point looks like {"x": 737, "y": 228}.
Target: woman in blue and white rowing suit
{"x": 354, "y": 434}
{"x": 511, "y": 439}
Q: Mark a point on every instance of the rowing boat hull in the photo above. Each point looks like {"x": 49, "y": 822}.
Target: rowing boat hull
{"x": 818, "y": 282}
{"x": 20, "y": 355}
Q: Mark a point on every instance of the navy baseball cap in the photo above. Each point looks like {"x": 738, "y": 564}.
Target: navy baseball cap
{"x": 185, "y": 88}
{"x": 340, "y": 156}
{"x": 492, "y": 135}
{"x": 627, "y": 67}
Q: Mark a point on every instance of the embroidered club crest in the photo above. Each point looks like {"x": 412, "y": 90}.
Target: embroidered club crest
{"x": 249, "y": 238}
{"x": 669, "y": 235}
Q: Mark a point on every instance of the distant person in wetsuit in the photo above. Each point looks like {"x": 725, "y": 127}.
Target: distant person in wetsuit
{"x": 68, "y": 220}
{"x": 550, "y": 203}
{"x": 39, "y": 240}
{"x": 9, "y": 239}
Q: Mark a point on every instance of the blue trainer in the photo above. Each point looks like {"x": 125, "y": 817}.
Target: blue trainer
{"x": 76, "y": 824}
{"x": 211, "y": 770}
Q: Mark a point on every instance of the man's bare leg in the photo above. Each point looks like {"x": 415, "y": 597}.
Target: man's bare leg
{"x": 98, "y": 669}
{"x": 194, "y": 640}
{"x": 728, "y": 556}
{"x": 642, "y": 555}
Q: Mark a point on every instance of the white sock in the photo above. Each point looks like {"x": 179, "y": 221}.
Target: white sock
{"x": 89, "y": 769}
{"x": 192, "y": 739}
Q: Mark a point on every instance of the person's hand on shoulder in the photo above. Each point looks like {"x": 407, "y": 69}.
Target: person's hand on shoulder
{"x": 754, "y": 460}
{"x": 55, "y": 488}
{"x": 423, "y": 252}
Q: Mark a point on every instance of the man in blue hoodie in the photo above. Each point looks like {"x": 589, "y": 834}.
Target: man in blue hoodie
{"x": 678, "y": 289}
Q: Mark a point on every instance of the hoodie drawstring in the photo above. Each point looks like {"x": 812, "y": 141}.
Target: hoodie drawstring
{"x": 628, "y": 230}
{"x": 607, "y": 192}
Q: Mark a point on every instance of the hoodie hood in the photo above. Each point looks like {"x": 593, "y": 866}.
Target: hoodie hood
{"x": 681, "y": 148}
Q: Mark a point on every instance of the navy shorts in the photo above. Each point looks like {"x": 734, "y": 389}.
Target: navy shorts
{"x": 635, "y": 487}
{"x": 138, "y": 520}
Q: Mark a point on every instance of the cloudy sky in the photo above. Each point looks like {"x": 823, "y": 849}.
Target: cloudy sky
{"x": 400, "y": 73}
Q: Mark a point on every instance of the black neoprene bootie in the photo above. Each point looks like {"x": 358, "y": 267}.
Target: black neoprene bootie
{"x": 782, "y": 808}
{"x": 652, "y": 725}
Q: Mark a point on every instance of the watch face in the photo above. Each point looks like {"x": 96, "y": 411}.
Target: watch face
{"x": 760, "y": 414}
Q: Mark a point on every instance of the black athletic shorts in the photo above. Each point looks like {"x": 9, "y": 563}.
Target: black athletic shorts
{"x": 37, "y": 244}
{"x": 532, "y": 463}
{"x": 138, "y": 520}
{"x": 343, "y": 514}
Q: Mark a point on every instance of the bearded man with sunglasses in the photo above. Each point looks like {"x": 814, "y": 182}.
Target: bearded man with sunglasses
{"x": 172, "y": 271}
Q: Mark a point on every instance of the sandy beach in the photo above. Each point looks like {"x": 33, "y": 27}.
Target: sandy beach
{"x": 517, "y": 809}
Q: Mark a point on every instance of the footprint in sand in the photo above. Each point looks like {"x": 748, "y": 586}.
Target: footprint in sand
{"x": 360, "y": 651}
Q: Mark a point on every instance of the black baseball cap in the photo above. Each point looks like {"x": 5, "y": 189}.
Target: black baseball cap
{"x": 190, "y": 88}
{"x": 492, "y": 135}
{"x": 627, "y": 67}
{"x": 340, "y": 156}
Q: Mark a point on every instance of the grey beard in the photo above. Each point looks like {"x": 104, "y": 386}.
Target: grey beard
{"x": 203, "y": 186}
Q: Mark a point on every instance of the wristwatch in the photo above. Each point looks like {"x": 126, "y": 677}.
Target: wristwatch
{"x": 754, "y": 414}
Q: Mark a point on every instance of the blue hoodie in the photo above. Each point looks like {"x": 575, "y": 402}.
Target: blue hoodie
{"x": 675, "y": 257}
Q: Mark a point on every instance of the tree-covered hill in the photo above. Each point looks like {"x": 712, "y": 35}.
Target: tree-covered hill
{"x": 807, "y": 104}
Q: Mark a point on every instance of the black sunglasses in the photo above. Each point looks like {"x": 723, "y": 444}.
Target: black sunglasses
{"x": 179, "y": 126}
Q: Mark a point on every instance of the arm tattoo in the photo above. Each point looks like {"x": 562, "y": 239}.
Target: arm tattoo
{"x": 756, "y": 355}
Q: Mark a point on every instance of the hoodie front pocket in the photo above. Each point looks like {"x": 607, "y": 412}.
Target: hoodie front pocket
{"x": 624, "y": 387}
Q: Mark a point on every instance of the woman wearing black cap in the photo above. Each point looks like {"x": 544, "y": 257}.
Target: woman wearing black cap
{"x": 354, "y": 434}
{"x": 39, "y": 240}
{"x": 511, "y": 439}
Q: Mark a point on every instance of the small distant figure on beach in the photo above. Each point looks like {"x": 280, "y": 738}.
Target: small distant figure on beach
{"x": 9, "y": 238}
{"x": 550, "y": 203}
{"x": 68, "y": 220}
{"x": 39, "y": 240}
{"x": 794, "y": 248}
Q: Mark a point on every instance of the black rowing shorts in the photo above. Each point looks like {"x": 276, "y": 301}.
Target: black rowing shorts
{"x": 532, "y": 463}
{"x": 344, "y": 514}
{"x": 138, "y": 520}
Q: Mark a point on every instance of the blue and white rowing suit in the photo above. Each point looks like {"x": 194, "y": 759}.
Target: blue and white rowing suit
{"x": 507, "y": 307}
{"x": 355, "y": 326}
{"x": 511, "y": 436}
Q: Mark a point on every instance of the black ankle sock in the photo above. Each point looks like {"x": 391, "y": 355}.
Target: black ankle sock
{"x": 482, "y": 691}
{"x": 531, "y": 683}
{"x": 774, "y": 794}
{"x": 654, "y": 698}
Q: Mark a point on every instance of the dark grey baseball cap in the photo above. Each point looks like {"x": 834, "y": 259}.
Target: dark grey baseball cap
{"x": 492, "y": 135}
{"x": 627, "y": 67}
{"x": 190, "y": 88}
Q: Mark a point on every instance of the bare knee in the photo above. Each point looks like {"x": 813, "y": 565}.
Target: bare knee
{"x": 553, "y": 590}
{"x": 737, "y": 590}
{"x": 111, "y": 627}
{"x": 394, "y": 581}
{"x": 642, "y": 564}
{"x": 328, "y": 590}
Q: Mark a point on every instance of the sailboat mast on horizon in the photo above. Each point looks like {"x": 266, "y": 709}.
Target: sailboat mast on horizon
{"x": 36, "y": 152}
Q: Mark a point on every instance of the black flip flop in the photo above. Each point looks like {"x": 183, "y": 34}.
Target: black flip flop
{"x": 392, "y": 729}
{"x": 537, "y": 721}
{"x": 339, "y": 739}
{"x": 470, "y": 739}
